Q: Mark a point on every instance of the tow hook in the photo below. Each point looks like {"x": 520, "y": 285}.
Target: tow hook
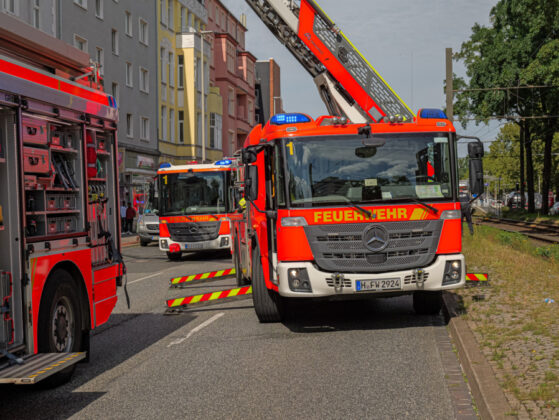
{"x": 338, "y": 280}
{"x": 419, "y": 275}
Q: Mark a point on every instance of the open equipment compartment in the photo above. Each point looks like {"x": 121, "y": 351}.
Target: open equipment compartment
{"x": 53, "y": 190}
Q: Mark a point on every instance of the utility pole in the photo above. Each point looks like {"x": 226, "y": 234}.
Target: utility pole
{"x": 449, "y": 83}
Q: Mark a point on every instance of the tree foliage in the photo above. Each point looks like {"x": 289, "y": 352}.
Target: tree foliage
{"x": 504, "y": 62}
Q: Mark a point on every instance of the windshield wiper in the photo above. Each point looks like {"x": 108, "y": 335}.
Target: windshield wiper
{"x": 418, "y": 201}
{"x": 358, "y": 207}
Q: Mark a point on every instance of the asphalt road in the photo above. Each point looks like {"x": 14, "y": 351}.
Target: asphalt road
{"x": 362, "y": 359}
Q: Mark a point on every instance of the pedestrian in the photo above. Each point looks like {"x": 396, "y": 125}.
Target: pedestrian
{"x": 123, "y": 217}
{"x": 130, "y": 214}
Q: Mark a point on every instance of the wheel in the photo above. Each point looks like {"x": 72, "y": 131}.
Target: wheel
{"x": 267, "y": 303}
{"x": 174, "y": 256}
{"x": 144, "y": 243}
{"x": 427, "y": 303}
{"x": 60, "y": 322}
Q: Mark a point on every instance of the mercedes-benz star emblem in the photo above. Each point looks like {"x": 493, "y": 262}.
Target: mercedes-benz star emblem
{"x": 193, "y": 228}
{"x": 375, "y": 238}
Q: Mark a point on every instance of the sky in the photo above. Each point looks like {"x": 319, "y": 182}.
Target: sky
{"x": 404, "y": 40}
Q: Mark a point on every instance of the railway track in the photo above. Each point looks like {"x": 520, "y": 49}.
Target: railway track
{"x": 543, "y": 232}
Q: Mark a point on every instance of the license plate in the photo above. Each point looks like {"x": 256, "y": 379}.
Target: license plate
{"x": 193, "y": 246}
{"x": 377, "y": 285}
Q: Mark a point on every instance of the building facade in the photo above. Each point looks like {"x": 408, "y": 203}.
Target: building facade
{"x": 120, "y": 36}
{"x": 190, "y": 107}
{"x": 268, "y": 90}
{"x": 232, "y": 72}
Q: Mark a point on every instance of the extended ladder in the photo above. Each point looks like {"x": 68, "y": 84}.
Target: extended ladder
{"x": 347, "y": 83}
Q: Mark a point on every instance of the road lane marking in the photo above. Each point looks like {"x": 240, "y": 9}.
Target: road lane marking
{"x": 198, "y": 328}
{"x": 145, "y": 278}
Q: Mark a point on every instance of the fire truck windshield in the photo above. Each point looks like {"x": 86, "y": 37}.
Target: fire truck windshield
{"x": 188, "y": 193}
{"x": 385, "y": 167}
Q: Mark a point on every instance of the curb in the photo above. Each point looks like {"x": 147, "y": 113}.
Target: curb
{"x": 486, "y": 391}
{"x": 129, "y": 243}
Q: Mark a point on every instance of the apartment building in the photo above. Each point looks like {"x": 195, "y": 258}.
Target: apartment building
{"x": 232, "y": 71}
{"x": 120, "y": 36}
{"x": 190, "y": 107}
{"x": 268, "y": 90}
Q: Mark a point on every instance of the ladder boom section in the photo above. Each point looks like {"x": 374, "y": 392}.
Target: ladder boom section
{"x": 347, "y": 83}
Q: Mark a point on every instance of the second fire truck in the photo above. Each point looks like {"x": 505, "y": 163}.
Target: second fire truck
{"x": 194, "y": 207}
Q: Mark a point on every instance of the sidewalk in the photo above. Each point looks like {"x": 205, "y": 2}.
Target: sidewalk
{"x": 129, "y": 239}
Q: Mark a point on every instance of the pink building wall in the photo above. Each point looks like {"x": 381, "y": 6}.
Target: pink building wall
{"x": 232, "y": 70}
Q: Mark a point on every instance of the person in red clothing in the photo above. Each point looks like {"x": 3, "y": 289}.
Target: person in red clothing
{"x": 130, "y": 214}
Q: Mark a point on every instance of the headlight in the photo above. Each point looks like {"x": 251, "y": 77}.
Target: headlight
{"x": 452, "y": 272}
{"x": 298, "y": 280}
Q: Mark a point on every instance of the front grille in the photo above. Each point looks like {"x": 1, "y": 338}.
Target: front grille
{"x": 154, "y": 227}
{"x": 194, "y": 232}
{"x": 411, "y": 244}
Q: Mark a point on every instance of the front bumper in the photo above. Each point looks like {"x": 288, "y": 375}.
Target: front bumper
{"x": 320, "y": 280}
{"x": 221, "y": 242}
{"x": 147, "y": 235}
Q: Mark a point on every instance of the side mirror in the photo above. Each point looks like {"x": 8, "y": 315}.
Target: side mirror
{"x": 251, "y": 183}
{"x": 248, "y": 156}
{"x": 475, "y": 150}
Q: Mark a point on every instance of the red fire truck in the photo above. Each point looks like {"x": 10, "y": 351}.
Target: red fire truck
{"x": 60, "y": 263}
{"x": 339, "y": 209}
{"x": 194, "y": 207}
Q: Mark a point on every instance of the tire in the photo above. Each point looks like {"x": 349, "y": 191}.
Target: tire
{"x": 60, "y": 323}
{"x": 174, "y": 256}
{"x": 268, "y": 304}
{"x": 144, "y": 243}
{"x": 427, "y": 303}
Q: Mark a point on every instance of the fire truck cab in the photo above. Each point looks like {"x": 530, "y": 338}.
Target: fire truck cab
{"x": 337, "y": 210}
{"x": 194, "y": 207}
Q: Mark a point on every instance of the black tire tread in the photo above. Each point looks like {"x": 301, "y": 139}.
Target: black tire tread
{"x": 267, "y": 304}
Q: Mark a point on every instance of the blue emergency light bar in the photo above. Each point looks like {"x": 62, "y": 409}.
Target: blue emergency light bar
{"x": 165, "y": 165}
{"x": 282, "y": 119}
{"x": 433, "y": 113}
{"x": 223, "y": 162}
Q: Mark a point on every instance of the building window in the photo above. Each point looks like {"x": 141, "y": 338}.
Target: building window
{"x": 80, "y": 43}
{"x": 215, "y": 131}
{"x": 114, "y": 41}
{"x": 128, "y": 23}
{"x": 144, "y": 128}
{"x": 129, "y": 126}
{"x": 198, "y": 74}
{"x": 170, "y": 22}
{"x": 183, "y": 19}
{"x": 99, "y": 9}
{"x": 144, "y": 80}
{"x": 163, "y": 11}
{"x": 231, "y": 58}
{"x": 199, "y": 128}
{"x": 129, "y": 76}
{"x": 190, "y": 25}
{"x": 231, "y": 102}
{"x": 36, "y": 11}
{"x": 143, "y": 32}
{"x": 81, "y": 3}
{"x": 172, "y": 125}
{"x": 181, "y": 126}
{"x": 171, "y": 69}
{"x": 100, "y": 58}
{"x": 114, "y": 92}
{"x": 163, "y": 122}
{"x": 162, "y": 56}
{"x": 232, "y": 144}
{"x": 250, "y": 113}
{"x": 180, "y": 71}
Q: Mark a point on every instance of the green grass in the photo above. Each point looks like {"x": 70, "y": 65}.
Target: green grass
{"x": 513, "y": 323}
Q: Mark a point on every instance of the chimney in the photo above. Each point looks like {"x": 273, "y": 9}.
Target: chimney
{"x": 244, "y": 20}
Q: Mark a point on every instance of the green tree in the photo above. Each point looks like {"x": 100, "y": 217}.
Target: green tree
{"x": 500, "y": 61}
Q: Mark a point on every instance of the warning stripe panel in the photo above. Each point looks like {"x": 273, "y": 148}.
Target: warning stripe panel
{"x": 206, "y": 297}
{"x": 477, "y": 277}
{"x": 203, "y": 276}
